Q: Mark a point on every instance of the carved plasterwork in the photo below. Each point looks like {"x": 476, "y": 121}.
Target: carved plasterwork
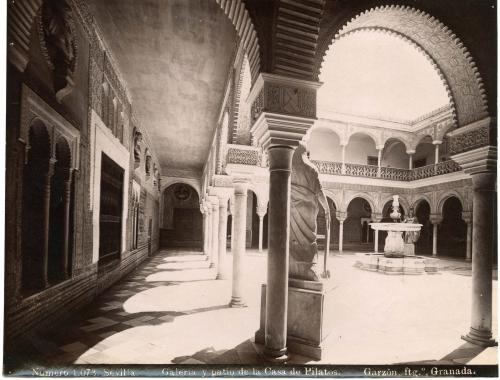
{"x": 469, "y": 140}
{"x": 32, "y": 108}
{"x": 243, "y": 156}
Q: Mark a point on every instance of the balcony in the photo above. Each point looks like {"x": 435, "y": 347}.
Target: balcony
{"x": 392, "y": 174}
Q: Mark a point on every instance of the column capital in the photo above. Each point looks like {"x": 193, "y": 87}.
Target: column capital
{"x": 437, "y": 142}
{"x": 283, "y": 109}
{"x": 240, "y": 185}
{"x": 214, "y": 202}
{"x": 376, "y": 217}
{"x": 467, "y": 216}
{"x": 380, "y": 147}
{"x": 479, "y": 160}
{"x": 435, "y": 218}
{"x": 341, "y": 216}
{"x": 410, "y": 151}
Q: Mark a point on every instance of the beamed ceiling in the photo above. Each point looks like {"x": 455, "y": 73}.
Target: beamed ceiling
{"x": 174, "y": 56}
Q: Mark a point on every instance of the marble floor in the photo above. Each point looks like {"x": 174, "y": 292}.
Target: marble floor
{"x": 172, "y": 310}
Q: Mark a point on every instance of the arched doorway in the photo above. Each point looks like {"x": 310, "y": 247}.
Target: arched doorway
{"x": 357, "y": 232}
{"x": 182, "y": 218}
{"x": 35, "y": 179}
{"x": 423, "y": 246}
{"x": 452, "y": 236}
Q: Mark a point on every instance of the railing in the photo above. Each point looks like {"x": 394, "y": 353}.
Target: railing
{"x": 243, "y": 156}
{"x": 359, "y": 170}
{"x": 393, "y": 174}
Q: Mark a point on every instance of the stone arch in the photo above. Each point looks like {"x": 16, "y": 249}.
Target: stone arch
{"x": 421, "y": 198}
{"x": 444, "y": 50}
{"x": 362, "y": 195}
{"x": 333, "y": 197}
{"x": 447, "y": 195}
{"x": 239, "y": 16}
{"x": 373, "y": 136}
{"x": 169, "y": 181}
{"x": 398, "y": 139}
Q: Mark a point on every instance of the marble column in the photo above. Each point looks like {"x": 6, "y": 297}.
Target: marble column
{"x": 379, "y": 161}
{"x": 410, "y": 161}
{"x": 481, "y": 164}
{"x": 231, "y": 210}
{"x": 209, "y": 231}
{"x": 215, "y": 232}
{"x": 222, "y": 269}
{"x": 436, "y": 143}
{"x": 280, "y": 168}
{"x": 435, "y": 219}
{"x": 46, "y": 224}
{"x": 343, "y": 170}
{"x": 240, "y": 221}
{"x": 204, "y": 213}
{"x": 341, "y": 217}
{"x": 483, "y": 232}
{"x": 376, "y": 218}
{"x": 261, "y": 215}
{"x": 66, "y": 222}
{"x": 467, "y": 218}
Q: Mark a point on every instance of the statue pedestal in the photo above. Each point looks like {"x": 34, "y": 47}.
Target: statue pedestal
{"x": 409, "y": 249}
{"x": 309, "y": 305}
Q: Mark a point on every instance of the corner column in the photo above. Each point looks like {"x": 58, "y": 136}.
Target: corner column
{"x": 46, "y": 223}
{"x": 215, "y": 231}
{"x": 222, "y": 270}
{"x": 67, "y": 209}
{"x": 341, "y": 217}
{"x": 481, "y": 164}
{"x": 240, "y": 221}
{"x": 467, "y": 218}
{"x": 435, "y": 219}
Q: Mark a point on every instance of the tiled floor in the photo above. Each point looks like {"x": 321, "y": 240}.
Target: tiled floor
{"x": 172, "y": 310}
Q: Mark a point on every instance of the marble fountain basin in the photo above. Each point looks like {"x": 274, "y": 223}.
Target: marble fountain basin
{"x": 396, "y": 227}
{"x": 377, "y": 262}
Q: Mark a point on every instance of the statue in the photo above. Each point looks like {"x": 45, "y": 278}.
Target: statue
{"x": 411, "y": 237}
{"x": 147, "y": 165}
{"x": 58, "y": 43}
{"x": 306, "y": 195}
{"x": 137, "y": 146}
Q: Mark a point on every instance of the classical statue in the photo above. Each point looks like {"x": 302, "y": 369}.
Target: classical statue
{"x": 58, "y": 43}
{"x": 306, "y": 196}
{"x": 411, "y": 237}
{"x": 147, "y": 165}
{"x": 137, "y": 146}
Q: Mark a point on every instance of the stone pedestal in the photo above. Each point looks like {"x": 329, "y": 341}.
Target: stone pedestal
{"x": 409, "y": 249}
{"x": 310, "y": 308}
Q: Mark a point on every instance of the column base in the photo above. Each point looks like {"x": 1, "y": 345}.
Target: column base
{"x": 480, "y": 338}
{"x": 309, "y": 306}
{"x": 237, "y": 302}
{"x": 275, "y": 356}
{"x": 468, "y": 259}
{"x": 212, "y": 265}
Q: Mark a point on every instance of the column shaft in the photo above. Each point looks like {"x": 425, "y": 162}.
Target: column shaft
{"x": 376, "y": 241}
{"x": 483, "y": 217}
{"x": 261, "y": 228}
{"x": 280, "y": 166}
{"x": 67, "y": 203}
{"x": 343, "y": 170}
{"x": 434, "y": 239}
{"x": 240, "y": 221}
{"x": 222, "y": 270}
{"x": 468, "y": 255}
{"x": 215, "y": 234}
{"x": 341, "y": 235}
{"x": 46, "y": 225}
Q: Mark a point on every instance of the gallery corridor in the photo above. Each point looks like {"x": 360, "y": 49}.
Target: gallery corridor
{"x": 171, "y": 310}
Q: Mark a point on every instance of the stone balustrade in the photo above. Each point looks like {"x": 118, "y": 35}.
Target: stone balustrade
{"x": 393, "y": 174}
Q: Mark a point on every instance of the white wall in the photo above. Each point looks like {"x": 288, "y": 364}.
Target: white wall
{"x": 359, "y": 148}
{"x": 324, "y": 145}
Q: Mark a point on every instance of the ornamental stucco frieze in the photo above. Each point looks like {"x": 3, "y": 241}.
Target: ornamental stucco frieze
{"x": 469, "y": 140}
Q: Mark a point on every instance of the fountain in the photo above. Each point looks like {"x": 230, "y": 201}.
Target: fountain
{"x": 399, "y": 249}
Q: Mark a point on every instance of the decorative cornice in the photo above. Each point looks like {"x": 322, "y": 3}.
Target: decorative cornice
{"x": 480, "y": 160}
